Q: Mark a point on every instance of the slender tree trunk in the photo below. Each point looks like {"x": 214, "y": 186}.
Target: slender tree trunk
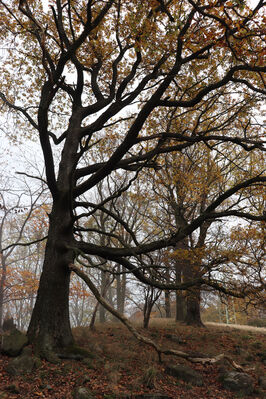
{"x": 2, "y": 284}
{"x": 50, "y": 326}
{"x": 120, "y": 290}
{"x": 167, "y": 297}
{"x": 102, "y": 311}
{"x": 167, "y": 304}
{"x": 3, "y": 272}
{"x": 180, "y": 312}
{"x": 93, "y": 318}
{"x": 147, "y": 313}
{"x": 1, "y": 308}
{"x": 151, "y": 296}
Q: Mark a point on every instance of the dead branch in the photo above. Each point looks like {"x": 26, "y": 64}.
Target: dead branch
{"x": 144, "y": 339}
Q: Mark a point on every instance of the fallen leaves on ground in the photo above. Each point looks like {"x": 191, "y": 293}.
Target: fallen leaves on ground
{"x": 119, "y": 363}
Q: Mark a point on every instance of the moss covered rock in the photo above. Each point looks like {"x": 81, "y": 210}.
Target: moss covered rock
{"x": 13, "y": 343}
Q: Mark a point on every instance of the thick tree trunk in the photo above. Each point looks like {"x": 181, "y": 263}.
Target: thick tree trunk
{"x": 50, "y": 326}
{"x": 193, "y": 309}
{"x": 180, "y": 312}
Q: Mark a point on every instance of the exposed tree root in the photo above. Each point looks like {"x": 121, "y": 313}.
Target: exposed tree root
{"x": 144, "y": 339}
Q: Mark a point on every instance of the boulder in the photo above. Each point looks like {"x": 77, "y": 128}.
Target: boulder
{"x": 20, "y": 365}
{"x": 185, "y": 373}
{"x": 13, "y": 343}
{"x": 82, "y": 393}
{"x": 23, "y": 364}
{"x": 238, "y": 382}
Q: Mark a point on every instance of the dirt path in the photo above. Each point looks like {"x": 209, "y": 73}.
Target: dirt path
{"x": 240, "y": 327}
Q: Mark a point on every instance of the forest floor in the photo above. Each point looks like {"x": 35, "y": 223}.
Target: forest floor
{"x": 122, "y": 367}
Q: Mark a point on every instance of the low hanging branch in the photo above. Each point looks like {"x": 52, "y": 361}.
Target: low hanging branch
{"x": 142, "y": 338}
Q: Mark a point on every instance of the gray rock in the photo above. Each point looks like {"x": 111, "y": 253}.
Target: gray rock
{"x": 20, "y": 365}
{"x": 185, "y": 373}
{"x": 13, "y": 343}
{"x": 23, "y": 364}
{"x": 82, "y": 393}
{"x": 238, "y": 382}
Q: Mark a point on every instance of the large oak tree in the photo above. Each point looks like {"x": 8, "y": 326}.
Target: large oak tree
{"x": 86, "y": 78}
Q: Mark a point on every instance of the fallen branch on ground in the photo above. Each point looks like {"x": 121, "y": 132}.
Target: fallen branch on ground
{"x": 144, "y": 339}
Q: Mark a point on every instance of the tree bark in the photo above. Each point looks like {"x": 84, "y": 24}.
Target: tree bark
{"x": 147, "y": 313}
{"x": 167, "y": 304}
{"x": 2, "y": 285}
{"x": 50, "y": 326}
{"x": 193, "y": 316}
{"x": 180, "y": 299}
{"x": 120, "y": 290}
{"x": 180, "y": 312}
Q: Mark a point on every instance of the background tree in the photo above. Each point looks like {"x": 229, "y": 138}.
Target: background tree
{"x": 21, "y": 220}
